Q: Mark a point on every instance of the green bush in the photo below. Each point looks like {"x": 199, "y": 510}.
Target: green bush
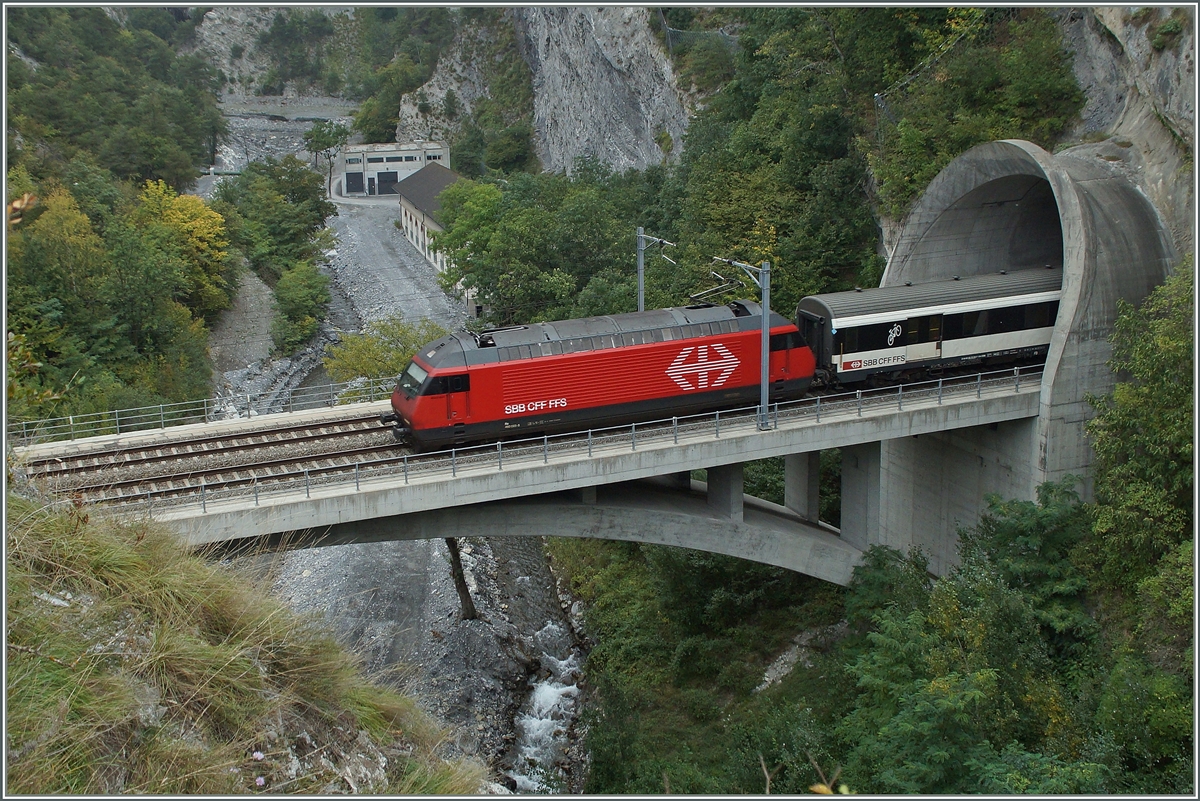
{"x": 1149, "y": 714}
{"x": 300, "y": 298}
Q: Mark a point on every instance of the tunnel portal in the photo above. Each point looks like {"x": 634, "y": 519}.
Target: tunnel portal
{"x": 1010, "y": 205}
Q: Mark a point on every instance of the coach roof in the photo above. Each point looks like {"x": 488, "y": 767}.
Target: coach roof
{"x": 854, "y": 303}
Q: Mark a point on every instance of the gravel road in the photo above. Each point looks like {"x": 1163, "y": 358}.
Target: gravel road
{"x": 381, "y": 272}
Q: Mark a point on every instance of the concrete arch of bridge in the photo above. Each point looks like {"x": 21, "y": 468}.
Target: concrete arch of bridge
{"x": 638, "y": 511}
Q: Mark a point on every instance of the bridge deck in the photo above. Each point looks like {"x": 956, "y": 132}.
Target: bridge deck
{"x": 483, "y": 475}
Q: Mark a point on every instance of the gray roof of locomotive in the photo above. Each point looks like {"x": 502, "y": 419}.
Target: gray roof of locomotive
{"x": 593, "y": 333}
{"x": 744, "y": 314}
{"x": 840, "y": 305}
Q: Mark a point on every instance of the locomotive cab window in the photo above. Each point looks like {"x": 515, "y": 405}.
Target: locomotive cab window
{"x": 443, "y": 384}
{"x": 411, "y": 379}
{"x": 788, "y": 341}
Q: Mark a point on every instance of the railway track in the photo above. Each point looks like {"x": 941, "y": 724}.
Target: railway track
{"x": 168, "y": 466}
{"x": 301, "y": 456}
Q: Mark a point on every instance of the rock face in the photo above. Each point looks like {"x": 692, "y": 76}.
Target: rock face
{"x": 234, "y": 29}
{"x": 1143, "y": 99}
{"x": 602, "y": 86}
{"x": 459, "y": 69}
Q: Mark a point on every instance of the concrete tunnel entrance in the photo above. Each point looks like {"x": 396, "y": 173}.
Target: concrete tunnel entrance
{"x": 1010, "y": 205}
{"x": 1011, "y": 223}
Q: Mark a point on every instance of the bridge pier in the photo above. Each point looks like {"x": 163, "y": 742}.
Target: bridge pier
{"x": 802, "y": 484}
{"x": 860, "y": 495}
{"x": 725, "y": 491}
{"x": 919, "y": 491}
{"x": 935, "y": 484}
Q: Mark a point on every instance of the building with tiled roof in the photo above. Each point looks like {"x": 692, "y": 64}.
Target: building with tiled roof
{"x": 419, "y": 206}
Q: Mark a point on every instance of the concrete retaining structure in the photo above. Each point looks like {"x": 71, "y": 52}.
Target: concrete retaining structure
{"x": 1010, "y": 205}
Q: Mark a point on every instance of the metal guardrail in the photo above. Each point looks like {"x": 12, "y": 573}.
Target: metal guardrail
{"x": 206, "y": 410}
{"x": 505, "y": 455}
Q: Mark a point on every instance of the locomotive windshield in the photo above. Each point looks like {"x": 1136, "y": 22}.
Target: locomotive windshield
{"x": 411, "y": 379}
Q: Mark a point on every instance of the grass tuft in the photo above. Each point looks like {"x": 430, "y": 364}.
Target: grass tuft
{"x": 137, "y": 667}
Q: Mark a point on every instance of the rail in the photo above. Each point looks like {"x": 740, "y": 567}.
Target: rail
{"x": 206, "y": 410}
{"x": 505, "y": 455}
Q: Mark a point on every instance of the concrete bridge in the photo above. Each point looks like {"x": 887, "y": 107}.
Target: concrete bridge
{"x": 633, "y": 483}
{"x": 914, "y": 468}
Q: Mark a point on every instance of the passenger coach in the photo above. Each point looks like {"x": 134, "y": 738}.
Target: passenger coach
{"x": 981, "y": 319}
{"x": 593, "y": 372}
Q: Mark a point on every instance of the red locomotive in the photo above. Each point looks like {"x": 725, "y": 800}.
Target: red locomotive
{"x": 594, "y": 372}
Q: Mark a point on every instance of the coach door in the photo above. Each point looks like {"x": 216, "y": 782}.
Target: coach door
{"x": 923, "y": 338}
{"x": 812, "y": 330}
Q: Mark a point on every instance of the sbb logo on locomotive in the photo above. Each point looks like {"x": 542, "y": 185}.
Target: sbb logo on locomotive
{"x": 702, "y": 368}
{"x": 535, "y": 406}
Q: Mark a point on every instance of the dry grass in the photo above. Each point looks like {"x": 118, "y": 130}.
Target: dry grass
{"x": 178, "y": 675}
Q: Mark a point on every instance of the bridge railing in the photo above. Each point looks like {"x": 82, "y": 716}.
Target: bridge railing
{"x": 407, "y": 468}
{"x": 205, "y": 410}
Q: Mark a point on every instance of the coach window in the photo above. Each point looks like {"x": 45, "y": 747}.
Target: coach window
{"x": 1010, "y": 318}
{"x": 924, "y": 329}
{"x": 460, "y": 383}
{"x": 872, "y": 337}
{"x": 967, "y": 324}
{"x": 1041, "y": 315}
{"x": 846, "y": 340}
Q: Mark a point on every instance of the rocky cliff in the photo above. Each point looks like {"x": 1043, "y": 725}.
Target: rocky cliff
{"x": 1138, "y": 73}
{"x": 602, "y": 86}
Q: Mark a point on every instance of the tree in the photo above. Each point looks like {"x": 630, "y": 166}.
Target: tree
{"x": 382, "y": 350}
{"x": 196, "y": 234}
{"x": 953, "y": 697}
{"x": 1031, "y": 544}
{"x": 325, "y": 138}
{"x": 460, "y": 581}
{"x": 275, "y": 211}
{"x": 300, "y": 297}
{"x": 1142, "y": 436}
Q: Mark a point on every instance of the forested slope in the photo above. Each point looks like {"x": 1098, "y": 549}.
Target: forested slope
{"x": 114, "y": 275}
